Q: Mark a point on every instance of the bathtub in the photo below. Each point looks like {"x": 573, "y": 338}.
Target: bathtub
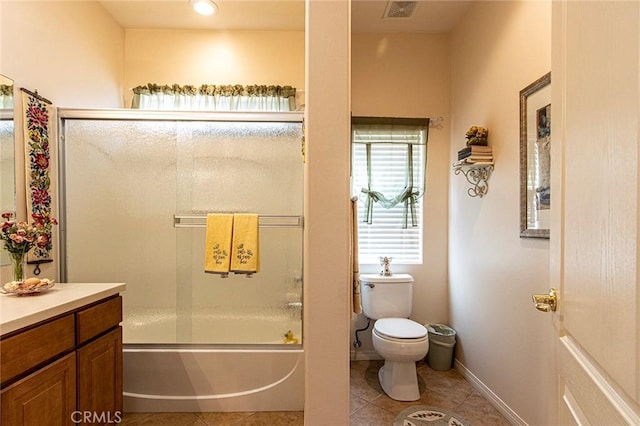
{"x": 227, "y": 368}
{"x": 173, "y": 379}
{"x": 192, "y": 341}
{"x": 236, "y": 326}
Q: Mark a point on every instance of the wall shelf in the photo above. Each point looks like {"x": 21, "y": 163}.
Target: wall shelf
{"x": 477, "y": 175}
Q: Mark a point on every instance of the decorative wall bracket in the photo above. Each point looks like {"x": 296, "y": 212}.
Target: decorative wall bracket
{"x": 478, "y": 176}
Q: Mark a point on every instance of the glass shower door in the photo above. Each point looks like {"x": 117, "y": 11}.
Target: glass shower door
{"x": 135, "y": 195}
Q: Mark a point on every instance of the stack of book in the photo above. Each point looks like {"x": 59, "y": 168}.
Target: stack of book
{"x": 475, "y": 154}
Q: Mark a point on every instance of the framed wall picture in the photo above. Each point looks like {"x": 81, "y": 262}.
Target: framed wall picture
{"x": 535, "y": 159}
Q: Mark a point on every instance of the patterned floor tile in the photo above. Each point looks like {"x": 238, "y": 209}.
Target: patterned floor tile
{"x": 480, "y": 412}
{"x": 280, "y": 418}
{"x": 224, "y": 419}
{"x": 370, "y": 415}
{"x": 369, "y": 405}
{"x": 164, "y": 419}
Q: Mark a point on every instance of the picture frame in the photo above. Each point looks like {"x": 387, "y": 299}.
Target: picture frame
{"x": 535, "y": 161}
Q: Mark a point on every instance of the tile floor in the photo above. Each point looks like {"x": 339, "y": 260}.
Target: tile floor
{"x": 448, "y": 390}
{"x": 370, "y": 406}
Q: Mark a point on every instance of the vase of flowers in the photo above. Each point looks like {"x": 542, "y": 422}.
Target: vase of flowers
{"x": 20, "y": 237}
{"x": 18, "y": 266}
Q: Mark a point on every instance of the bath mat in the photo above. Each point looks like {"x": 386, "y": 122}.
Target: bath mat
{"x": 421, "y": 415}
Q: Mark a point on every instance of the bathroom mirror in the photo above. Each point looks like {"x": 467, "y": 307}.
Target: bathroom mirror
{"x": 7, "y": 154}
{"x": 535, "y": 160}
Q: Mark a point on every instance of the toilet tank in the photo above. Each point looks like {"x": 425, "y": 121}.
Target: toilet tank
{"x": 386, "y": 297}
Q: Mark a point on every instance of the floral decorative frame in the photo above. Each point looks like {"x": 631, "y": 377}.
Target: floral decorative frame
{"x": 535, "y": 144}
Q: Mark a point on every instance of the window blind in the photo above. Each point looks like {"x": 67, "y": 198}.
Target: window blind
{"x": 386, "y": 236}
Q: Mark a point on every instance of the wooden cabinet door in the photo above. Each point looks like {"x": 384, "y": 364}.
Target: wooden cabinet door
{"x": 100, "y": 378}
{"x": 44, "y": 398}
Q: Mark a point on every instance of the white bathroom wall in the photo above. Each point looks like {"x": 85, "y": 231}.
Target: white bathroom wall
{"x": 407, "y": 75}
{"x": 71, "y": 53}
{"x": 77, "y": 56}
{"x": 213, "y": 57}
{"x": 1, "y": 63}
{"x": 75, "y": 77}
{"x": 498, "y": 49}
{"x": 327, "y": 281}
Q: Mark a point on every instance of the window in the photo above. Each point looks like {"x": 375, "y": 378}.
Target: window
{"x": 388, "y": 175}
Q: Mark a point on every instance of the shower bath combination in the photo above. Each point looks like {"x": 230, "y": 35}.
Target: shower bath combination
{"x": 140, "y": 185}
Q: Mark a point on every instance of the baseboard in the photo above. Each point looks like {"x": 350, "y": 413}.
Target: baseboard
{"x": 499, "y": 404}
{"x": 364, "y": 355}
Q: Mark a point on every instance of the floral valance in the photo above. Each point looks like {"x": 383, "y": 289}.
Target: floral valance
{"x": 235, "y": 97}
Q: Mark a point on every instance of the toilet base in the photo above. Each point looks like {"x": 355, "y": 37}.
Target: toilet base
{"x": 399, "y": 380}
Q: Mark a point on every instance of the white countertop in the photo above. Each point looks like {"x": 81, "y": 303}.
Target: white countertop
{"x": 17, "y": 312}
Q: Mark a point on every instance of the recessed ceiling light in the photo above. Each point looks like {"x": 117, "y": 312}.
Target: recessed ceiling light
{"x": 204, "y": 7}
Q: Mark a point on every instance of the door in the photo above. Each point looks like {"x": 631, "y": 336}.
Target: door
{"x": 44, "y": 398}
{"x": 100, "y": 379}
{"x": 595, "y": 230}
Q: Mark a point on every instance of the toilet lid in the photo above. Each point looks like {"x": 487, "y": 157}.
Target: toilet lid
{"x": 400, "y": 328}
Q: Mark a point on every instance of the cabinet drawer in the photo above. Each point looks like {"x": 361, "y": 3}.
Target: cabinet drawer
{"x": 99, "y": 318}
{"x": 35, "y": 346}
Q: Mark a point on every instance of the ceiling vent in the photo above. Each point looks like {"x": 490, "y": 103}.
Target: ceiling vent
{"x": 400, "y": 9}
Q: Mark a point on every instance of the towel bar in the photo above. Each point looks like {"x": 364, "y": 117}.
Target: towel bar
{"x": 264, "y": 221}
{"x": 248, "y": 275}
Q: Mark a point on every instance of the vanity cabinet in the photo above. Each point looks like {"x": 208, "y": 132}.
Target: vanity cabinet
{"x": 56, "y": 371}
{"x": 46, "y": 397}
{"x": 100, "y": 375}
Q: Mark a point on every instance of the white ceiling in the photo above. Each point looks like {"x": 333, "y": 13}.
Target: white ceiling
{"x": 367, "y": 15}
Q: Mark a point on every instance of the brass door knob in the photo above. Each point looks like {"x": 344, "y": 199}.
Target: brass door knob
{"x": 546, "y": 302}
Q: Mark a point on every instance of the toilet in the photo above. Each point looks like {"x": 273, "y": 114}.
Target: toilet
{"x": 398, "y": 340}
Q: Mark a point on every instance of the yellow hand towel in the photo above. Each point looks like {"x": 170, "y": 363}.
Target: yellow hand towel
{"x": 245, "y": 249}
{"x": 218, "y": 243}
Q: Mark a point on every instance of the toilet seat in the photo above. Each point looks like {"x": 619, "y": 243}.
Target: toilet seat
{"x": 400, "y": 330}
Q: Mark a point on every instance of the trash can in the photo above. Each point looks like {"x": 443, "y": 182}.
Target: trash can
{"x": 442, "y": 340}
